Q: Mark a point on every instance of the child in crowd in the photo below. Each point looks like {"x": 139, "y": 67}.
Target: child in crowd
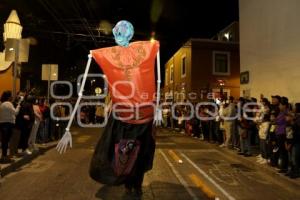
{"x": 263, "y": 133}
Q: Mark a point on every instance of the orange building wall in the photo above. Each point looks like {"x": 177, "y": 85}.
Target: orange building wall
{"x": 6, "y": 80}
{"x": 202, "y": 70}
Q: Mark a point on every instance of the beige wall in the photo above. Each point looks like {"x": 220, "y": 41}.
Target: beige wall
{"x": 6, "y": 81}
{"x": 270, "y": 47}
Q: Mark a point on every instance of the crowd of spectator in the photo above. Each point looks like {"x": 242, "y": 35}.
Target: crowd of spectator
{"x": 238, "y": 124}
{"x": 243, "y": 125}
{"x": 26, "y": 122}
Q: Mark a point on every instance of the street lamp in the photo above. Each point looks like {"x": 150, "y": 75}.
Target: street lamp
{"x": 13, "y": 31}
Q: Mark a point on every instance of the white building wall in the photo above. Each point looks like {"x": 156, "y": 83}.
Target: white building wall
{"x": 270, "y": 47}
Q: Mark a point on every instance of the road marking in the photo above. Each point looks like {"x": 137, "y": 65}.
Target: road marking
{"x": 83, "y": 139}
{"x": 165, "y": 143}
{"x": 200, "y": 184}
{"x": 201, "y": 151}
{"x": 208, "y": 178}
{"x": 174, "y": 156}
{"x": 179, "y": 177}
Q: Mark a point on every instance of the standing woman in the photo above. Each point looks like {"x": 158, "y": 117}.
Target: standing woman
{"x": 25, "y": 120}
{"x": 37, "y": 120}
{"x": 7, "y": 122}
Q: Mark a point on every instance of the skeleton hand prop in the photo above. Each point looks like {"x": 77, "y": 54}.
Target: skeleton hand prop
{"x": 158, "y": 117}
{"x": 64, "y": 142}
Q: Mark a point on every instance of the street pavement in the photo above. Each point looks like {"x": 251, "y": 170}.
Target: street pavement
{"x": 184, "y": 168}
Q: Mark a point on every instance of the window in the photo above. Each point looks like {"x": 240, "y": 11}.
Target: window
{"x": 171, "y": 73}
{"x": 183, "y": 66}
{"x": 221, "y": 63}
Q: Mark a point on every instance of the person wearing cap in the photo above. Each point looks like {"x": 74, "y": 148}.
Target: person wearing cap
{"x": 274, "y": 107}
{"x": 281, "y": 133}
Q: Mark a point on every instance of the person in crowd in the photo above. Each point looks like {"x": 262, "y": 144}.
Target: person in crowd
{"x": 244, "y": 127}
{"x": 281, "y": 134}
{"x": 16, "y": 132}
{"x": 295, "y": 172}
{"x": 272, "y": 147}
{"x": 165, "y": 113}
{"x": 7, "y": 122}
{"x": 188, "y": 123}
{"x": 257, "y": 119}
{"x": 217, "y": 130}
{"x": 33, "y": 134}
{"x": 181, "y": 121}
{"x": 274, "y": 107}
{"x": 229, "y": 115}
{"x": 43, "y": 130}
{"x": 213, "y": 134}
{"x": 56, "y": 125}
{"x": 26, "y": 119}
{"x": 223, "y": 105}
{"x": 263, "y": 133}
{"x": 204, "y": 122}
{"x": 100, "y": 114}
{"x": 266, "y": 106}
{"x": 196, "y": 126}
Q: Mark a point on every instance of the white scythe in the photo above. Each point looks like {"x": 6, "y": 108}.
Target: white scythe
{"x": 67, "y": 137}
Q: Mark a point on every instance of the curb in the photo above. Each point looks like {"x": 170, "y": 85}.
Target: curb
{"x": 24, "y": 160}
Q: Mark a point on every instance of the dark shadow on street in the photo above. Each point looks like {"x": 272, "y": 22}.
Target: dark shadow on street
{"x": 155, "y": 191}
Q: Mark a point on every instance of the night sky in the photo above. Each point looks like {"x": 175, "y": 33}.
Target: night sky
{"x": 65, "y": 29}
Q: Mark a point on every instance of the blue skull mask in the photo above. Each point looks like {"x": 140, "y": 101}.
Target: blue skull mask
{"x": 123, "y": 32}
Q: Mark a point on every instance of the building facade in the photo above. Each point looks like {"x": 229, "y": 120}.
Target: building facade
{"x": 204, "y": 69}
{"x": 6, "y": 80}
{"x": 269, "y": 48}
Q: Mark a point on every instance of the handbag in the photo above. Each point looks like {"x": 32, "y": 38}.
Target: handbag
{"x": 126, "y": 152}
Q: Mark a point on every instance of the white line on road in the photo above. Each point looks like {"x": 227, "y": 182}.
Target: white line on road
{"x": 208, "y": 178}
{"x": 165, "y": 143}
{"x": 201, "y": 151}
{"x": 179, "y": 177}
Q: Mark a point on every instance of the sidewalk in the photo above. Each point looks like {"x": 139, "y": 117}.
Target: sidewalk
{"x": 21, "y": 161}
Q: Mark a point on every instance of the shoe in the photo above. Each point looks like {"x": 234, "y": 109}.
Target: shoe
{"x": 260, "y": 159}
{"x": 28, "y": 152}
{"x": 222, "y": 145}
{"x": 263, "y": 162}
{"x": 259, "y": 156}
{"x": 275, "y": 149}
{"x": 236, "y": 148}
